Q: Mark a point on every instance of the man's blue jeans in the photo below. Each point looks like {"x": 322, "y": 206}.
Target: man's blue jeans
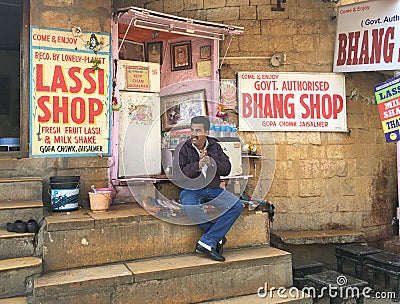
{"x": 227, "y": 203}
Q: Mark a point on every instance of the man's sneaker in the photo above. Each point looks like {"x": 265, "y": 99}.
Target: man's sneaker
{"x": 211, "y": 252}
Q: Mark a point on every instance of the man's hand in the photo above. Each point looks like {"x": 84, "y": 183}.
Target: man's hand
{"x": 204, "y": 159}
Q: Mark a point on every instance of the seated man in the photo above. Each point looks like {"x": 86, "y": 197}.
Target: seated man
{"x": 198, "y": 164}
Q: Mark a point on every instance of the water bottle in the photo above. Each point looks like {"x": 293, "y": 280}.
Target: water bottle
{"x": 233, "y": 129}
{"x": 217, "y": 128}
{"x": 223, "y": 128}
{"x": 227, "y": 129}
{"x": 212, "y": 128}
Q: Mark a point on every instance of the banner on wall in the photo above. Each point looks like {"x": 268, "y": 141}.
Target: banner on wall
{"x": 387, "y": 95}
{"x": 70, "y": 93}
{"x": 368, "y": 37}
{"x": 291, "y": 102}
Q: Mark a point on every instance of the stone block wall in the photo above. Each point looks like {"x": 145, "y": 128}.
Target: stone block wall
{"x": 90, "y": 15}
{"x": 92, "y": 171}
{"x": 316, "y": 180}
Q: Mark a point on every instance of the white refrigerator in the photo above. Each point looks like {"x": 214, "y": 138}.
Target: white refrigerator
{"x": 139, "y": 139}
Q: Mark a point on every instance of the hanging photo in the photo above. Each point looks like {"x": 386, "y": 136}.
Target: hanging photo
{"x": 181, "y": 56}
{"x": 154, "y": 52}
{"x": 178, "y": 109}
{"x": 228, "y": 93}
{"x": 205, "y": 52}
{"x": 131, "y": 50}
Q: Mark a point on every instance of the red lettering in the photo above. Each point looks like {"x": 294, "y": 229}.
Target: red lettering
{"x": 60, "y": 109}
{"x": 78, "y": 110}
{"x": 353, "y": 48}
{"x": 337, "y": 105}
{"x": 341, "y": 59}
{"x": 95, "y": 109}
{"x": 258, "y": 105}
{"x": 376, "y": 45}
{"x": 278, "y": 105}
{"x": 289, "y": 114}
{"x": 101, "y": 81}
{"x": 388, "y": 47}
{"x": 39, "y": 80}
{"x": 78, "y": 83}
{"x": 58, "y": 80}
{"x": 87, "y": 74}
{"x": 268, "y": 112}
{"x": 42, "y": 106}
{"x": 364, "y": 59}
{"x": 352, "y": 52}
{"x": 246, "y": 105}
{"x": 326, "y": 106}
{"x": 305, "y": 106}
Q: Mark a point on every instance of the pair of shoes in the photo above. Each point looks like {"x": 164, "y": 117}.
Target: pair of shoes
{"x": 212, "y": 254}
{"x": 20, "y": 226}
{"x": 33, "y": 226}
{"x": 220, "y": 246}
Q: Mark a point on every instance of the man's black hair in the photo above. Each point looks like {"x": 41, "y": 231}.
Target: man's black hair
{"x": 201, "y": 120}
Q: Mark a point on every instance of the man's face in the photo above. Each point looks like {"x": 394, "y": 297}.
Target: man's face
{"x": 198, "y": 135}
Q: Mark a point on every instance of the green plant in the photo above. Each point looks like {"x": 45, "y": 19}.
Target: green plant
{"x": 96, "y": 63}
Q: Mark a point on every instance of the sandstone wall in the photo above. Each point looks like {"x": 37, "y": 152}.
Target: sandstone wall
{"x": 316, "y": 180}
{"x": 90, "y": 15}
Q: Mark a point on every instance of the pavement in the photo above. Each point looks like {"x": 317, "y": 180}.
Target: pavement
{"x": 382, "y": 295}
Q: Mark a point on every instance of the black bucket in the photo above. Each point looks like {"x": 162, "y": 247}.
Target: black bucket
{"x": 64, "y": 193}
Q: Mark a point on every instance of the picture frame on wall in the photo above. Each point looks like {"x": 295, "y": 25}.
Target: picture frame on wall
{"x": 178, "y": 109}
{"x": 131, "y": 50}
{"x": 154, "y": 52}
{"x": 181, "y": 55}
{"x": 205, "y": 52}
{"x": 228, "y": 91}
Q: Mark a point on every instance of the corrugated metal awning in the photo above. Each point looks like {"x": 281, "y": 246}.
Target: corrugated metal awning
{"x": 152, "y": 20}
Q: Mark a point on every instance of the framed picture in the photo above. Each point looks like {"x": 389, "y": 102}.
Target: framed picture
{"x": 228, "y": 94}
{"x": 205, "y": 52}
{"x": 154, "y": 51}
{"x": 178, "y": 109}
{"x": 131, "y": 50}
{"x": 181, "y": 55}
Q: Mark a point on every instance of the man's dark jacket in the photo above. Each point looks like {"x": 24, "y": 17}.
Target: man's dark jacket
{"x": 186, "y": 165}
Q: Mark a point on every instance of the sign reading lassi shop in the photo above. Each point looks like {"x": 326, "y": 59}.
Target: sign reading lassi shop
{"x": 70, "y": 93}
{"x": 291, "y": 102}
{"x": 387, "y": 95}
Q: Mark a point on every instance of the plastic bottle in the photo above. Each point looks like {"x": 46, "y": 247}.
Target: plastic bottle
{"x": 217, "y": 128}
{"x": 212, "y": 127}
{"x": 233, "y": 129}
{"x": 223, "y": 128}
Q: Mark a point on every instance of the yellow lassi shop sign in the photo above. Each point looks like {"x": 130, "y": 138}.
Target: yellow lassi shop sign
{"x": 70, "y": 93}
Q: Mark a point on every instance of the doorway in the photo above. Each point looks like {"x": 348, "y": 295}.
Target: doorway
{"x": 12, "y": 56}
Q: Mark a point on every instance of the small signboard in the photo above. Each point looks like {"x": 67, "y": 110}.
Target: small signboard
{"x": 137, "y": 78}
{"x": 368, "y": 36}
{"x": 291, "y": 102}
{"x": 387, "y": 95}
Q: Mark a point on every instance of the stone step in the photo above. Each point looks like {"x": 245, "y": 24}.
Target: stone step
{"x": 185, "y": 278}
{"x": 15, "y": 275}
{"x": 21, "y": 189}
{"x": 16, "y": 245}
{"x": 318, "y": 245}
{"x": 128, "y": 232}
{"x": 292, "y": 296}
{"x": 15, "y": 300}
{"x": 336, "y": 236}
{"x": 20, "y": 210}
